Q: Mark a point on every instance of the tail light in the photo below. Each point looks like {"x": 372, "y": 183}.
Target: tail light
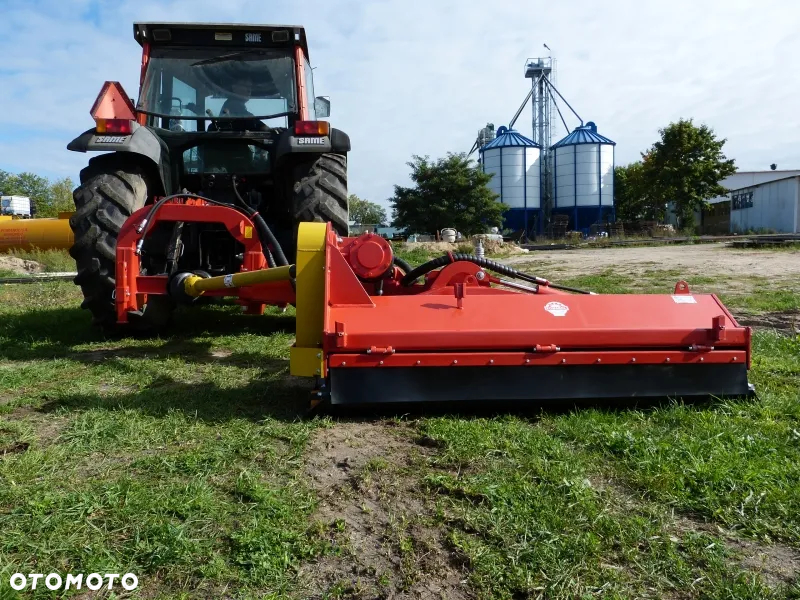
{"x": 114, "y": 126}
{"x": 113, "y": 110}
{"x": 312, "y": 128}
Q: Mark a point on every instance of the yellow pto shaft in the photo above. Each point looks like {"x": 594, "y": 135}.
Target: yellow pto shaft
{"x": 194, "y": 285}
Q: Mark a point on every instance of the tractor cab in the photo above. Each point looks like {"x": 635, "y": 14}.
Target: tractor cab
{"x": 243, "y": 85}
{"x": 205, "y": 77}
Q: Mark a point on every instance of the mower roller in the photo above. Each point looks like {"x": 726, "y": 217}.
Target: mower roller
{"x": 222, "y": 181}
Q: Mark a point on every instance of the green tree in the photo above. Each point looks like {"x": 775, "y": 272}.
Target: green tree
{"x": 685, "y": 167}
{"x": 37, "y": 188}
{"x": 448, "y": 192}
{"x": 365, "y": 212}
{"x": 9, "y": 184}
{"x": 60, "y": 197}
{"x": 632, "y": 198}
{"x": 48, "y": 198}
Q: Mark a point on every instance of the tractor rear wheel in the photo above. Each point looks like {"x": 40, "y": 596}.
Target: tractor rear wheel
{"x": 110, "y": 191}
{"x": 320, "y": 192}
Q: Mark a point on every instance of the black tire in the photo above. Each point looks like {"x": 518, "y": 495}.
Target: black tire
{"x": 320, "y": 192}
{"x": 110, "y": 191}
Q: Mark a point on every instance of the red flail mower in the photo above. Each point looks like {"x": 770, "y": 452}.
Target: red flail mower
{"x": 372, "y": 329}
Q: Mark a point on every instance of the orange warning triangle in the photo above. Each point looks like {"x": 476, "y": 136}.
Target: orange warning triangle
{"x": 113, "y": 103}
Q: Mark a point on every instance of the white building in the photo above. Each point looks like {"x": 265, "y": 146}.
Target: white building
{"x": 757, "y": 201}
{"x": 742, "y": 179}
{"x": 769, "y": 207}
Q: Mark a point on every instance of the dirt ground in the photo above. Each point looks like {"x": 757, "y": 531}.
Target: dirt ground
{"x": 705, "y": 259}
{"x": 489, "y": 247}
{"x": 364, "y": 475}
{"x": 19, "y": 266}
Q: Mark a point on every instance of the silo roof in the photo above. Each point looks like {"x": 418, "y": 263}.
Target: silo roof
{"x": 507, "y": 138}
{"x": 586, "y": 134}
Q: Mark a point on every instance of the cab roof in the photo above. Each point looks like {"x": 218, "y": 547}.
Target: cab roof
{"x": 220, "y": 34}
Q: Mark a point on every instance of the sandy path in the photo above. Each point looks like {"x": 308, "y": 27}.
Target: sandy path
{"x": 699, "y": 259}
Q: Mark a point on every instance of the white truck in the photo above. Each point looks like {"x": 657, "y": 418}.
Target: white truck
{"x": 15, "y": 206}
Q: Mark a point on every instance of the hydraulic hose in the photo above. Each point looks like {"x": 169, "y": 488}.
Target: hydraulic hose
{"x": 144, "y": 226}
{"x": 265, "y": 233}
{"x": 416, "y": 273}
{"x": 404, "y": 266}
{"x": 485, "y": 263}
{"x": 270, "y": 259}
{"x": 263, "y": 229}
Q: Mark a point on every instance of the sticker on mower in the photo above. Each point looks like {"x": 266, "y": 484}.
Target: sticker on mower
{"x": 684, "y": 299}
{"x": 228, "y": 280}
{"x": 556, "y": 309}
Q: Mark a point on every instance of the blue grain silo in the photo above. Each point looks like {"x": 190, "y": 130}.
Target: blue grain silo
{"x": 515, "y": 162}
{"x": 583, "y": 176}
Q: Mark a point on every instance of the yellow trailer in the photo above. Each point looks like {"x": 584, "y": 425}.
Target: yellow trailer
{"x": 26, "y": 234}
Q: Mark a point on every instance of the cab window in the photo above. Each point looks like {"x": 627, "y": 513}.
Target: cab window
{"x": 312, "y": 113}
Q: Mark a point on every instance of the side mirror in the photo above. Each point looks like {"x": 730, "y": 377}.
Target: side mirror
{"x": 322, "y": 107}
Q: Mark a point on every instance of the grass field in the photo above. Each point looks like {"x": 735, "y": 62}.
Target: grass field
{"x": 185, "y": 460}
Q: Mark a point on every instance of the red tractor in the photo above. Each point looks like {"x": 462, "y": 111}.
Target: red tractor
{"x": 226, "y": 113}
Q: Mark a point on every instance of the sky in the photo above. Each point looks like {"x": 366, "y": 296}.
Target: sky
{"x": 412, "y": 77}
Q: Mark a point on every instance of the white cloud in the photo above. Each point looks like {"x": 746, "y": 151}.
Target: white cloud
{"x": 412, "y": 77}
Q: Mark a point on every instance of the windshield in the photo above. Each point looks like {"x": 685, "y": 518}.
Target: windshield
{"x": 188, "y": 88}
